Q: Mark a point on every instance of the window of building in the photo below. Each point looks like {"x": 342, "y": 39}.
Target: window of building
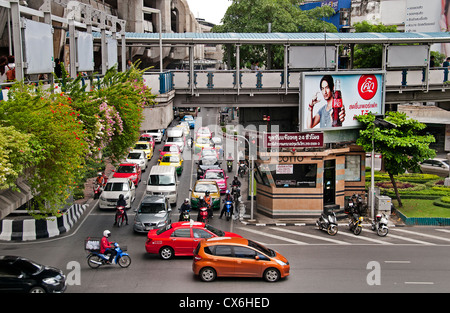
{"x": 294, "y": 175}
{"x": 353, "y": 168}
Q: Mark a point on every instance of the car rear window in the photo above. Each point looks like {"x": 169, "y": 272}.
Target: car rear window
{"x": 163, "y": 229}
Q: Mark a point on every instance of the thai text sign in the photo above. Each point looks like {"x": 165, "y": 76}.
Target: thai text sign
{"x": 293, "y": 140}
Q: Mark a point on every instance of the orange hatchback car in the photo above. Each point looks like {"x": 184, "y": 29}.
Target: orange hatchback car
{"x": 238, "y": 257}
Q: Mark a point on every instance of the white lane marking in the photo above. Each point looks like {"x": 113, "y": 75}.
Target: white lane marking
{"x": 421, "y": 234}
{"x": 366, "y": 238}
{"x": 274, "y": 236}
{"x": 311, "y": 236}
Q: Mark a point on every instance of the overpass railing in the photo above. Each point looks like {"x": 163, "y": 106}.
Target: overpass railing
{"x": 273, "y": 81}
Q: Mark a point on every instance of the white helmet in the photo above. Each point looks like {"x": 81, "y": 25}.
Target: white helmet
{"x": 106, "y": 233}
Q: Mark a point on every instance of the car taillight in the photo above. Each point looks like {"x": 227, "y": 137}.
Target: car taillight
{"x": 197, "y": 258}
{"x": 148, "y": 241}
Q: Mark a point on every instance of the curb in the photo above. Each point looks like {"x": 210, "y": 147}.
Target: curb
{"x": 32, "y": 229}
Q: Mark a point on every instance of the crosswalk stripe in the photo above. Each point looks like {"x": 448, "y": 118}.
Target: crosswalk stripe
{"x": 443, "y": 230}
{"x": 367, "y": 238}
{"x": 311, "y": 236}
{"x": 410, "y": 239}
{"x": 274, "y": 236}
{"x": 423, "y": 235}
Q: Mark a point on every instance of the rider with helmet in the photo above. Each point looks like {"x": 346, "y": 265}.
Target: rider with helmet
{"x": 184, "y": 207}
{"x": 228, "y": 197}
{"x": 201, "y": 204}
{"x": 121, "y": 203}
{"x": 235, "y": 182}
{"x": 208, "y": 201}
{"x": 107, "y": 247}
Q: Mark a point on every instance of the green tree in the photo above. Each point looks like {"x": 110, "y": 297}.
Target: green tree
{"x": 402, "y": 147}
{"x": 253, "y": 16}
{"x": 370, "y": 55}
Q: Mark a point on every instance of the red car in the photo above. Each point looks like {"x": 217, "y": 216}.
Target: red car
{"x": 169, "y": 148}
{"x": 149, "y": 138}
{"x": 129, "y": 170}
{"x": 180, "y": 238}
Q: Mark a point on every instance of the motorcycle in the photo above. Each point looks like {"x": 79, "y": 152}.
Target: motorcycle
{"x": 328, "y": 223}
{"x": 203, "y": 215}
{"x": 97, "y": 190}
{"x": 186, "y": 216}
{"x": 96, "y": 259}
{"x": 380, "y": 225}
{"x": 242, "y": 169}
{"x": 120, "y": 216}
{"x": 236, "y": 192}
{"x": 355, "y": 223}
{"x": 228, "y": 208}
{"x": 229, "y": 165}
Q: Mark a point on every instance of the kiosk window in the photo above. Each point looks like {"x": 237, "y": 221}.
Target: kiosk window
{"x": 295, "y": 176}
{"x": 352, "y": 168}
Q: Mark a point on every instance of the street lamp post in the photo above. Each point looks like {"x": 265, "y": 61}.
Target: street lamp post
{"x": 381, "y": 123}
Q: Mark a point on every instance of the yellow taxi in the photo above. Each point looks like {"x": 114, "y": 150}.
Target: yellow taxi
{"x": 201, "y": 142}
{"x": 172, "y": 159}
{"x": 200, "y": 187}
{"x": 144, "y": 146}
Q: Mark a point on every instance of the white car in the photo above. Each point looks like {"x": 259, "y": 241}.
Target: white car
{"x": 157, "y": 134}
{"x": 114, "y": 187}
{"x": 137, "y": 157}
{"x": 435, "y": 166}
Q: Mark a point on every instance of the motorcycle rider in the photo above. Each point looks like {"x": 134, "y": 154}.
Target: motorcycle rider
{"x": 121, "y": 202}
{"x": 101, "y": 179}
{"x": 107, "y": 247}
{"x": 236, "y": 182}
{"x": 208, "y": 201}
{"x": 201, "y": 204}
{"x": 228, "y": 197}
{"x": 184, "y": 207}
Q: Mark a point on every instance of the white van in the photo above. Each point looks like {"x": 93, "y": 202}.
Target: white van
{"x": 163, "y": 181}
{"x": 176, "y": 136}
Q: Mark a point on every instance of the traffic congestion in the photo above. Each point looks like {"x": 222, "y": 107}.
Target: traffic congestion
{"x": 176, "y": 221}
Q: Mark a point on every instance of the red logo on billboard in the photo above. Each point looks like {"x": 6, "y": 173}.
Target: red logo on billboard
{"x": 367, "y": 86}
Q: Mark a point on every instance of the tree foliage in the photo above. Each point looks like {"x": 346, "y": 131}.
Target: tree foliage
{"x": 285, "y": 16}
{"x": 48, "y": 135}
{"x": 402, "y": 147}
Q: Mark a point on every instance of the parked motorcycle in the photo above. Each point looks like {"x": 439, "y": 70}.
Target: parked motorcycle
{"x": 203, "y": 215}
{"x": 380, "y": 224}
{"x": 328, "y": 223}
{"x": 120, "y": 216}
{"x": 355, "y": 223}
{"x": 96, "y": 259}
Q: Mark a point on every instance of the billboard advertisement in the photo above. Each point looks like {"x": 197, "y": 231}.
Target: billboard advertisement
{"x": 331, "y": 100}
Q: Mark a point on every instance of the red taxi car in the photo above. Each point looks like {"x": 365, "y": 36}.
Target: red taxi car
{"x": 131, "y": 171}
{"x": 181, "y": 238}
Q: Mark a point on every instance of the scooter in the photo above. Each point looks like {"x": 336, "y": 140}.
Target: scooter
{"x": 328, "y": 223}
{"x": 97, "y": 190}
{"x": 229, "y": 165}
{"x": 235, "y": 192}
{"x": 203, "y": 215}
{"x": 242, "y": 169}
{"x": 228, "y": 207}
{"x": 96, "y": 259}
{"x": 120, "y": 216}
{"x": 355, "y": 223}
{"x": 380, "y": 224}
{"x": 186, "y": 216}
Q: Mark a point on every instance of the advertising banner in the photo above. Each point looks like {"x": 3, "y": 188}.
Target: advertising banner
{"x": 331, "y": 100}
{"x": 293, "y": 140}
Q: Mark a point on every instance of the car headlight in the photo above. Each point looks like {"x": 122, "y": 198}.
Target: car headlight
{"x": 280, "y": 262}
{"x": 50, "y": 281}
{"x": 161, "y": 224}
{"x": 102, "y": 198}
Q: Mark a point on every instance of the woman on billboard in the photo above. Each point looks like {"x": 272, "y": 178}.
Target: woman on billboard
{"x": 331, "y": 114}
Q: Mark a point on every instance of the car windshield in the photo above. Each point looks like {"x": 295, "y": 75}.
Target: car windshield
{"x": 261, "y": 248}
{"x": 134, "y": 155}
{"x": 161, "y": 180}
{"x": 215, "y": 231}
{"x": 203, "y": 140}
{"x": 169, "y": 148}
{"x": 212, "y": 188}
{"x": 188, "y": 118}
{"x": 151, "y": 208}
{"x": 208, "y": 152}
{"x": 116, "y": 187}
{"x": 214, "y": 175}
{"x": 141, "y": 146}
{"x": 171, "y": 159}
{"x": 28, "y": 266}
{"x": 126, "y": 169}
{"x": 145, "y": 138}
{"x": 175, "y": 139}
